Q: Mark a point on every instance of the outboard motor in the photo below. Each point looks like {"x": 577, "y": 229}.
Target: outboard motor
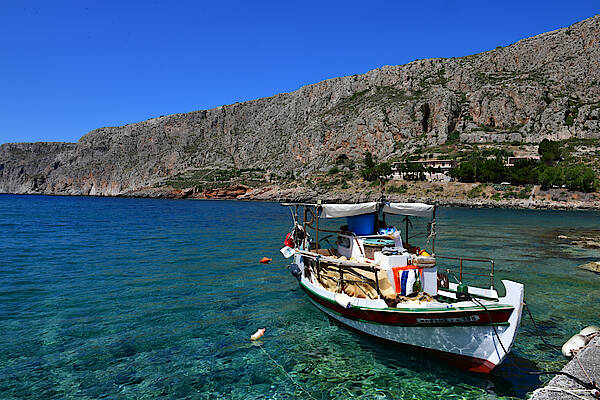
{"x": 295, "y": 270}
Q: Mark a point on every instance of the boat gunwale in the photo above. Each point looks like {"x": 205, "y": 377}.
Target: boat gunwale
{"x": 460, "y": 309}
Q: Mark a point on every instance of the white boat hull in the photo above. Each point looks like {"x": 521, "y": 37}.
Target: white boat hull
{"x": 472, "y": 347}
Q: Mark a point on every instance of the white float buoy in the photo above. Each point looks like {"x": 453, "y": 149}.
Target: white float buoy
{"x": 258, "y": 334}
{"x": 575, "y": 343}
{"x": 589, "y": 330}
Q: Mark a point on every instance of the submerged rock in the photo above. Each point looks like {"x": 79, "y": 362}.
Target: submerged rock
{"x": 593, "y": 266}
{"x": 582, "y": 238}
{"x": 587, "y": 243}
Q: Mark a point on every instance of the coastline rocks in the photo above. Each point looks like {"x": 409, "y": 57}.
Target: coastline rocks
{"x": 593, "y": 266}
{"x": 168, "y": 192}
{"x": 163, "y": 192}
{"x": 232, "y": 192}
{"x": 357, "y": 195}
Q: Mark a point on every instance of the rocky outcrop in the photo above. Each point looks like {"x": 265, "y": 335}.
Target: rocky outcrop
{"x": 547, "y": 86}
{"x": 232, "y": 192}
{"x": 30, "y": 167}
{"x": 593, "y": 266}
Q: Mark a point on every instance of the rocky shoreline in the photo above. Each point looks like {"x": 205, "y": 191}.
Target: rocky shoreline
{"x": 305, "y": 194}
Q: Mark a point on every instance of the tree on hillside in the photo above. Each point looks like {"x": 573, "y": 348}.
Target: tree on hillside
{"x": 550, "y": 151}
{"x": 373, "y": 171}
{"x": 413, "y": 171}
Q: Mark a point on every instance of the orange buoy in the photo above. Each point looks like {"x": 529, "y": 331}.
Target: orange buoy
{"x": 265, "y": 260}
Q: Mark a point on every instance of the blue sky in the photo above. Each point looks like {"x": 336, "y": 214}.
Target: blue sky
{"x": 67, "y": 67}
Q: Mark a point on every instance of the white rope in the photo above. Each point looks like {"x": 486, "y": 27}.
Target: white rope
{"x": 432, "y": 232}
{"x": 583, "y": 369}
{"x": 576, "y": 353}
{"x": 293, "y": 216}
{"x": 299, "y": 386}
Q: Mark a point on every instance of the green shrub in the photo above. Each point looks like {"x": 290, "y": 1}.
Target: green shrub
{"x": 577, "y": 177}
{"x": 475, "y": 192}
{"x": 571, "y": 115}
{"x": 550, "y": 150}
{"x": 453, "y": 137}
{"x": 396, "y": 189}
{"x": 413, "y": 171}
{"x": 524, "y": 193}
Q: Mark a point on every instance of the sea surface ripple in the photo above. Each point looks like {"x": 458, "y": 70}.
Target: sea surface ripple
{"x": 141, "y": 298}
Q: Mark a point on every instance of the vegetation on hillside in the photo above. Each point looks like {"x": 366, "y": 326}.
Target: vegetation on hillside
{"x": 211, "y": 178}
{"x": 548, "y": 172}
{"x": 373, "y": 171}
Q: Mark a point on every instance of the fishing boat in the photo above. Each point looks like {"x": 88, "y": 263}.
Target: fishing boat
{"x": 373, "y": 281}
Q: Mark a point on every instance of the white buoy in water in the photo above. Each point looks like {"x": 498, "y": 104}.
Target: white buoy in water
{"x": 575, "y": 343}
{"x": 589, "y": 330}
{"x": 258, "y": 334}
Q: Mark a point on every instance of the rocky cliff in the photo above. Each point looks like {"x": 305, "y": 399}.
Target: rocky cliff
{"x": 547, "y": 86}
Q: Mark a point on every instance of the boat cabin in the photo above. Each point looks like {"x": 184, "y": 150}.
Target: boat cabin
{"x": 368, "y": 258}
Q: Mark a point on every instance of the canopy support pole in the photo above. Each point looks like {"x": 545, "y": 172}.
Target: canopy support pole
{"x": 377, "y": 284}
{"x": 317, "y": 232}
{"x": 433, "y": 228}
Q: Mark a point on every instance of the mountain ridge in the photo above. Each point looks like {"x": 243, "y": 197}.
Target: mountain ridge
{"x": 546, "y": 86}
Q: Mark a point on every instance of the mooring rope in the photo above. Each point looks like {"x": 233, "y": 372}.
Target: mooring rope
{"x": 492, "y": 324}
{"x": 590, "y": 388}
{"x": 576, "y": 354}
{"x": 299, "y": 386}
{"x": 537, "y": 330}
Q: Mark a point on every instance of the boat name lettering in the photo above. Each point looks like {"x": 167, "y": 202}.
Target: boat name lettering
{"x": 469, "y": 318}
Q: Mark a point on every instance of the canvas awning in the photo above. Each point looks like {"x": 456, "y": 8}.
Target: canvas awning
{"x": 347, "y": 210}
{"x": 411, "y": 209}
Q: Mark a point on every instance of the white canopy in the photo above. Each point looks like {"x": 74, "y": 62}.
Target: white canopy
{"x": 347, "y": 210}
{"x": 412, "y": 209}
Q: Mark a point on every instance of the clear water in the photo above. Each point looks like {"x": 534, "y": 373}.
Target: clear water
{"x": 140, "y": 298}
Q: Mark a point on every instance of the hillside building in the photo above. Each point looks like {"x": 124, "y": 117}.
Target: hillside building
{"x": 432, "y": 170}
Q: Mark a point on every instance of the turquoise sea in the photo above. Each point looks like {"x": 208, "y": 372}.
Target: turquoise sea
{"x": 141, "y": 298}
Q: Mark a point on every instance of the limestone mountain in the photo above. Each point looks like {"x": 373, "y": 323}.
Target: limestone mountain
{"x": 547, "y": 86}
